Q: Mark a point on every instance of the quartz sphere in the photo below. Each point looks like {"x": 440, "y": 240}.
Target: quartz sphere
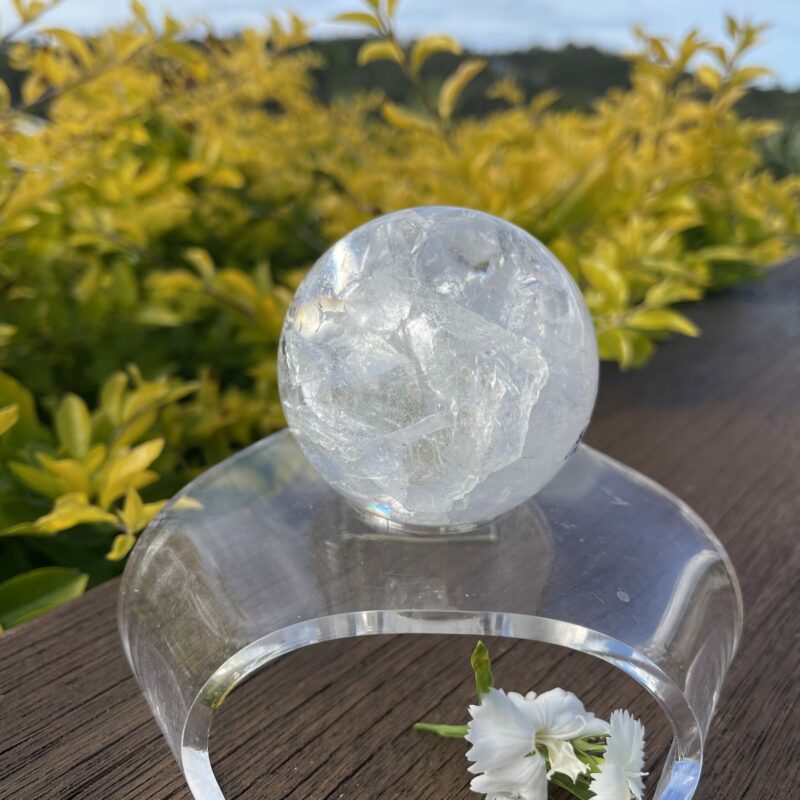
{"x": 437, "y": 366}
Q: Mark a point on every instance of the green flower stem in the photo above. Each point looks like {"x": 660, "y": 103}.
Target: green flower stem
{"x": 448, "y": 731}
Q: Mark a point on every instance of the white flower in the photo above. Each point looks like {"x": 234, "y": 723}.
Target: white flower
{"x": 522, "y": 779}
{"x": 620, "y": 776}
{"x": 506, "y": 730}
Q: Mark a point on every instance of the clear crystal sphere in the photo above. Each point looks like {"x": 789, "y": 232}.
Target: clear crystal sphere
{"x": 437, "y": 366}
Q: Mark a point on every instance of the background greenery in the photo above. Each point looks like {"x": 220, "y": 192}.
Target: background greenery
{"x": 160, "y": 199}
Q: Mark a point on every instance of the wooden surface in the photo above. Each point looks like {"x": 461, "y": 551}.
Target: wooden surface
{"x": 716, "y": 420}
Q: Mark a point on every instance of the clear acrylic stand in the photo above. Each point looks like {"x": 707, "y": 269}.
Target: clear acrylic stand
{"x": 259, "y": 557}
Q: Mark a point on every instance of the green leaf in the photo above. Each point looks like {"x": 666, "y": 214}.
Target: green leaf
{"x": 359, "y": 18}
{"x": 381, "y": 50}
{"x": 8, "y": 417}
{"x": 74, "y": 426}
{"x": 28, "y": 428}
{"x": 446, "y": 731}
{"x": 32, "y": 593}
{"x": 112, "y": 395}
{"x": 662, "y": 319}
{"x": 577, "y": 788}
{"x": 721, "y": 252}
{"x": 482, "y": 667}
{"x": 453, "y": 87}
{"x": 427, "y": 46}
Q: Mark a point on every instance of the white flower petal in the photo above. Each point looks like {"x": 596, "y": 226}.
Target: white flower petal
{"x": 563, "y": 759}
{"x": 560, "y": 715}
{"x": 499, "y": 732}
{"x": 636, "y": 785}
{"x": 625, "y": 746}
{"x": 610, "y": 784}
{"x": 624, "y": 759}
{"x": 519, "y": 700}
{"x": 522, "y": 779}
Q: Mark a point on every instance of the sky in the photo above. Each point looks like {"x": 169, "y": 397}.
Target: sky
{"x": 489, "y": 26}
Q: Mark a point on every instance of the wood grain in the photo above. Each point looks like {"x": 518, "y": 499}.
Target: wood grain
{"x": 716, "y": 420}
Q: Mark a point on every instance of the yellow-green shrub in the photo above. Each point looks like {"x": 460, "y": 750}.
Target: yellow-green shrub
{"x": 160, "y": 199}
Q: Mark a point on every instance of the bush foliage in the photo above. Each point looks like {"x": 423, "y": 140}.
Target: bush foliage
{"x": 160, "y": 199}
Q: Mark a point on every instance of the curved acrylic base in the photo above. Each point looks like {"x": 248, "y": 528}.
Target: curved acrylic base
{"x": 259, "y": 557}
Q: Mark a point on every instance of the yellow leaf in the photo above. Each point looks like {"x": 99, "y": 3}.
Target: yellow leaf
{"x": 72, "y": 475}
{"x": 144, "y": 398}
{"x": 359, "y": 18}
{"x": 658, "y": 49}
{"x": 662, "y": 319}
{"x": 604, "y": 278}
{"x": 74, "y": 426}
{"x": 34, "y": 88}
{"x": 506, "y": 89}
{"x": 750, "y": 74}
{"x": 201, "y": 261}
{"x": 20, "y": 224}
{"x": 139, "y": 11}
{"x": 132, "y": 513}
{"x": 151, "y": 509}
{"x": 709, "y": 77}
{"x": 41, "y": 481}
{"x": 8, "y": 417}
{"x": 5, "y": 96}
{"x": 453, "y": 87}
{"x": 70, "y": 510}
{"x": 112, "y": 395}
{"x": 404, "y": 119}
{"x": 123, "y": 470}
{"x": 671, "y": 291}
{"x": 427, "y": 46}
{"x": 28, "y": 11}
{"x": 226, "y": 177}
{"x": 136, "y": 426}
{"x": 122, "y": 545}
{"x": 137, "y": 515}
{"x": 94, "y": 458}
{"x": 239, "y": 285}
{"x": 616, "y": 345}
{"x": 187, "y": 503}
{"x": 74, "y": 43}
{"x": 380, "y": 50}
